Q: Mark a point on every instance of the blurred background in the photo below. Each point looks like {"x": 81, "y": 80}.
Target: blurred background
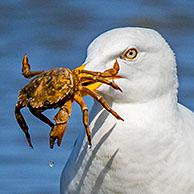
{"x": 57, "y": 33}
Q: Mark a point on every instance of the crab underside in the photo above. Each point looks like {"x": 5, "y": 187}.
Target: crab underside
{"x": 59, "y": 88}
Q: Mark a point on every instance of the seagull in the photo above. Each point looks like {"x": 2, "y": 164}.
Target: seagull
{"x": 152, "y": 151}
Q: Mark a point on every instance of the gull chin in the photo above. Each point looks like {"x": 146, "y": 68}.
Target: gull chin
{"x": 152, "y": 151}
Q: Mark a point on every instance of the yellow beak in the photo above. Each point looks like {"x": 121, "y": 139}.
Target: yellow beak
{"x": 81, "y": 67}
{"x": 92, "y": 86}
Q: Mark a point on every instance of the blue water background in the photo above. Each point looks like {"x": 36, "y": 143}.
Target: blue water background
{"x": 57, "y": 33}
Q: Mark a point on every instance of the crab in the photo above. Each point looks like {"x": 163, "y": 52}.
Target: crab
{"x": 59, "y": 88}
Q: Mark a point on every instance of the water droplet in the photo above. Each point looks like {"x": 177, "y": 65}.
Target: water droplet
{"x": 51, "y": 163}
{"x": 90, "y": 147}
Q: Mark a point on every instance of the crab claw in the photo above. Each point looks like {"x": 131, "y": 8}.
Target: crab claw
{"x": 56, "y": 134}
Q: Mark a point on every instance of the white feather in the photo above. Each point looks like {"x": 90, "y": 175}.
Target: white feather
{"x": 152, "y": 151}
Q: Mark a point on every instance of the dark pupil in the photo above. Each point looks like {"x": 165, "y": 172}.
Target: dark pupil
{"x": 131, "y": 53}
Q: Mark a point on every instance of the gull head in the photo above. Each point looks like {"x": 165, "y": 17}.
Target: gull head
{"x": 146, "y": 62}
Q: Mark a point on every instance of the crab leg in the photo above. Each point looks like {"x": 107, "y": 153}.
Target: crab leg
{"x": 84, "y": 109}
{"x": 61, "y": 119}
{"x": 102, "y": 80}
{"x": 22, "y": 123}
{"x": 38, "y": 113}
{"x": 112, "y": 72}
{"x": 101, "y": 100}
{"x": 26, "y": 69}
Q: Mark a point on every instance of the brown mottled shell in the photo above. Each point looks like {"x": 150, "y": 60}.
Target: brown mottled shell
{"x": 48, "y": 88}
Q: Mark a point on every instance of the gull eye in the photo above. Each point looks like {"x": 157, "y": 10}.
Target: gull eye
{"x": 130, "y": 54}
